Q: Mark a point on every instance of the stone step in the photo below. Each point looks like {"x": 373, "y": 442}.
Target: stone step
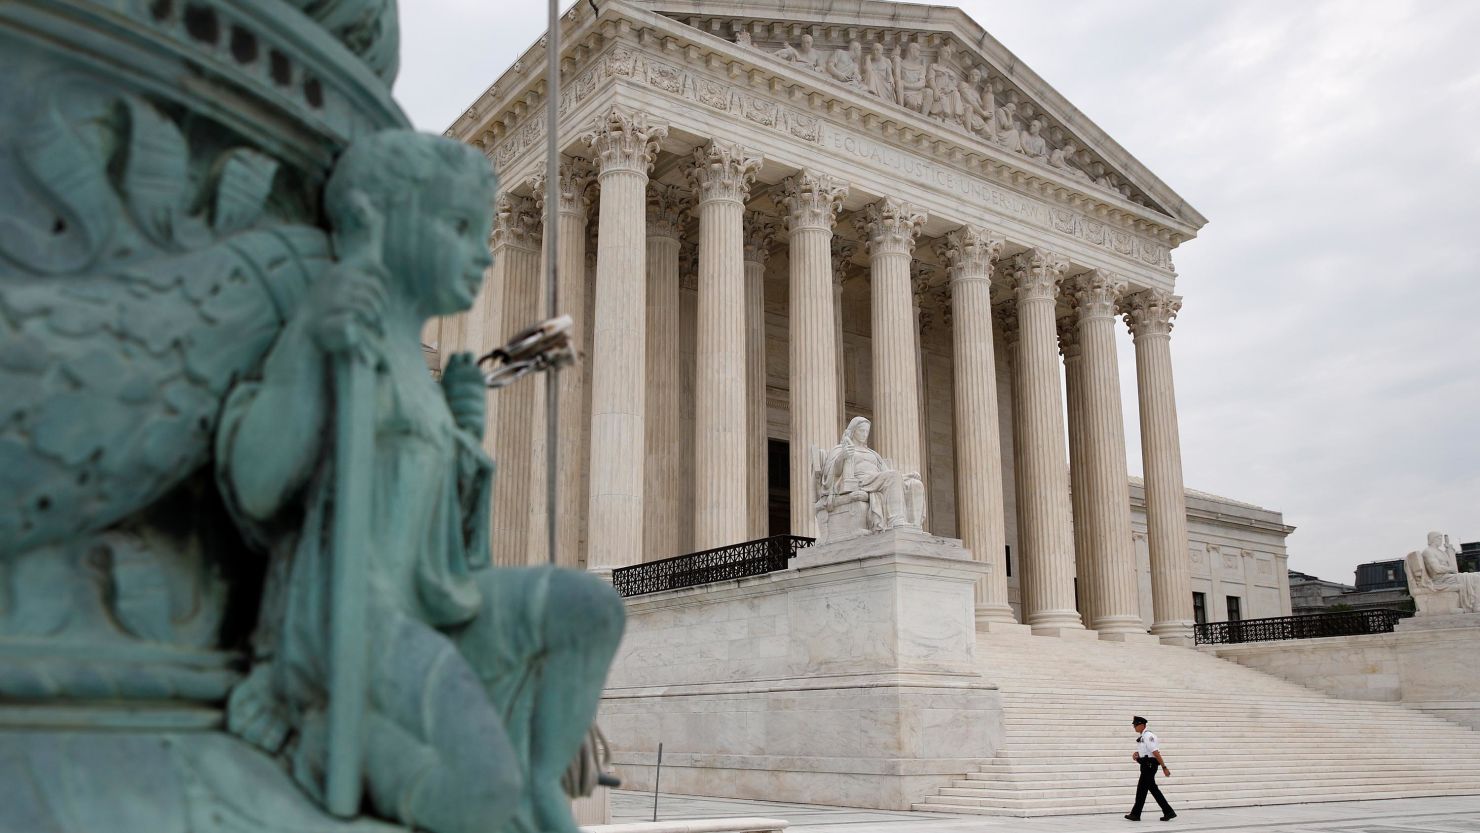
{"x": 1188, "y": 797}
{"x": 1001, "y": 770}
{"x": 1181, "y": 803}
{"x": 1193, "y": 783}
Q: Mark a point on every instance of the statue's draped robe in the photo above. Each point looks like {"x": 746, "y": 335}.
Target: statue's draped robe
{"x": 1443, "y": 574}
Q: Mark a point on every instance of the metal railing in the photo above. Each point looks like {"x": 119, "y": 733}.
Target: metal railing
{"x": 1309, "y": 626}
{"x": 752, "y": 558}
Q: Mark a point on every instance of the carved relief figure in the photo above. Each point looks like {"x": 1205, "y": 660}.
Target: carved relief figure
{"x": 878, "y": 72}
{"x": 1008, "y": 134}
{"x": 858, "y": 491}
{"x": 945, "y": 83}
{"x": 1063, "y": 159}
{"x": 1436, "y": 583}
{"x": 742, "y": 38}
{"x": 805, "y": 54}
{"x": 846, "y": 65}
{"x": 1033, "y": 143}
{"x": 911, "y": 85}
{"x": 979, "y": 104}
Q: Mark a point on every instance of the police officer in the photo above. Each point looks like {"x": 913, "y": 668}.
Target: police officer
{"x": 1148, "y": 756}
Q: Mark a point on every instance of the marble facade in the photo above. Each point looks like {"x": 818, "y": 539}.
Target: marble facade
{"x": 875, "y": 213}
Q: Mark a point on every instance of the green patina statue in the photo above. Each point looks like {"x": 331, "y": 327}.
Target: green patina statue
{"x": 244, "y": 534}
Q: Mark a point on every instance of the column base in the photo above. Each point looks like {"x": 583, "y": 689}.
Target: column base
{"x": 1174, "y": 633}
{"x": 1073, "y": 634}
{"x": 999, "y": 628}
{"x": 1141, "y": 638}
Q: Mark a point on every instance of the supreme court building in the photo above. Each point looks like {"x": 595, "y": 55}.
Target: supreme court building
{"x": 774, "y": 218}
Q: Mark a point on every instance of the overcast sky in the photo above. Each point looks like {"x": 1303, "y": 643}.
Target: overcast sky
{"x": 1328, "y": 355}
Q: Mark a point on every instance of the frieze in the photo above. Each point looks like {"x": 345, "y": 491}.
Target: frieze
{"x": 625, "y": 62}
{"x": 1063, "y": 220}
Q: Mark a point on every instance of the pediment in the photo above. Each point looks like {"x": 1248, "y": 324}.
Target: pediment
{"x": 919, "y": 60}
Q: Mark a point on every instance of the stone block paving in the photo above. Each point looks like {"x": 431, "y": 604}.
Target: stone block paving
{"x": 1459, "y": 814}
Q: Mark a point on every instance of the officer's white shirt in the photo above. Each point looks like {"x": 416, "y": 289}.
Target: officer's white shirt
{"x": 1146, "y": 744}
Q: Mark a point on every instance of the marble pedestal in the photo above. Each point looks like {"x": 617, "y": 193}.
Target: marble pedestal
{"x": 849, "y": 679}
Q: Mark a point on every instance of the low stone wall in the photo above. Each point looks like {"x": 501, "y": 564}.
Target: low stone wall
{"x": 1428, "y": 663}
{"x": 849, "y": 679}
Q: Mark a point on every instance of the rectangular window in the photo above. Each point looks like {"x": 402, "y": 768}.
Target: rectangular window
{"x": 778, "y": 475}
{"x": 1234, "y": 613}
{"x": 1009, "y": 560}
{"x": 1200, "y": 608}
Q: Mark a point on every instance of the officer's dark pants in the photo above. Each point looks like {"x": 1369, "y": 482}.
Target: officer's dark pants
{"x": 1148, "y": 784}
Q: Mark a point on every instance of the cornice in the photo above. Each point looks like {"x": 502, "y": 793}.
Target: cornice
{"x": 511, "y": 107}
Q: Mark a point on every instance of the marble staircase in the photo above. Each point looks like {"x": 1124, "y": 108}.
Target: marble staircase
{"x": 1232, "y": 736}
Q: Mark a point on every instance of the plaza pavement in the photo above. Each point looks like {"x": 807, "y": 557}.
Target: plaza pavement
{"x": 1459, "y": 814}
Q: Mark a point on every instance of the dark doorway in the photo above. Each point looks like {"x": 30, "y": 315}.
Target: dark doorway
{"x": 778, "y": 486}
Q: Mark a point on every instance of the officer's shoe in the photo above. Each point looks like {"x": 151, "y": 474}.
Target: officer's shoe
{"x": 1129, "y": 817}
{"x": 1167, "y": 817}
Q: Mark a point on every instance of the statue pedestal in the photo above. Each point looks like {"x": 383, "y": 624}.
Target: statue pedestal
{"x": 849, "y": 679}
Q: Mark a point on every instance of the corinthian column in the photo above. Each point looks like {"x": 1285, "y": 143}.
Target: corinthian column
{"x": 1069, "y": 347}
{"x": 624, "y": 144}
{"x": 1149, "y": 314}
{"x": 570, "y": 494}
{"x": 1043, "y": 481}
{"x": 812, "y": 202}
{"x": 722, "y": 175}
{"x": 1114, "y": 610}
{"x": 759, "y": 232}
{"x": 970, "y": 252}
{"x": 842, "y": 259}
{"x": 516, "y": 255}
{"x": 891, "y": 226}
{"x": 667, "y": 212}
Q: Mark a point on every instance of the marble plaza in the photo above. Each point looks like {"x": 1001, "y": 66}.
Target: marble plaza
{"x": 851, "y": 271}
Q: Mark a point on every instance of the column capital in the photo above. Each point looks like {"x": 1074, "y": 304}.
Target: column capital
{"x": 842, "y": 260}
{"x": 667, "y": 210}
{"x": 576, "y": 175}
{"x": 759, "y": 233}
{"x": 1094, "y": 294}
{"x": 1150, "y": 311}
{"x": 1005, "y": 319}
{"x": 625, "y": 140}
{"x": 1035, "y": 275}
{"x": 971, "y": 251}
{"x": 891, "y": 226}
{"x": 516, "y": 222}
{"x": 812, "y": 200}
{"x": 724, "y": 171}
{"x": 1070, "y": 346}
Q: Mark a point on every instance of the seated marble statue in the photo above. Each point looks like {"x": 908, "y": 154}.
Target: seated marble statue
{"x": 482, "y": 682}
{"x": 859, "y": 492}
{"x": 1436, "y": 583}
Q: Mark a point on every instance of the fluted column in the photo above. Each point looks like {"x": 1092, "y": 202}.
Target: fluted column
{"x": 570, "y": 495}
{"x": 759, "y": 232}
{"x": 811, "y": 202}
{"x": 891, "y": 226}
{"x": 1005, "y": 319}
{"x": 1104, "y": 513}
{"x": 842, "y": 261}
{"x": 516, "y": 245}
{"x": 1149, "y": 314}
{"x": 722, "y": 175}
{"x": 1070, "y": 348}
{"x": 624, "y": 144}
{"x": 667, "y": 212}
{"x": 979, "y": 507}
{"x": 1043, "y": 483}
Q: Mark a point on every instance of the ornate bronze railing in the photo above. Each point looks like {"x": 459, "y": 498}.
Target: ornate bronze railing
{"x": 752, "y": 558}
{"x": 1309, "y": 626}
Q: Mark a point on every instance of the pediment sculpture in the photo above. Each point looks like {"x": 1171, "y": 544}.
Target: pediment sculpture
{"x": 948, "y": 90}
{"x": 858, "y": 492}
{"x": 1435, "y": 582}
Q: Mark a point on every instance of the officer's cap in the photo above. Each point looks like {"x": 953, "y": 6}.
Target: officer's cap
{"x": 1137, "y": 720}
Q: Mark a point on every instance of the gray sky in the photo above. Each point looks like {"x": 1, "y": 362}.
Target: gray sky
{"x": 1328, "y": 356}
